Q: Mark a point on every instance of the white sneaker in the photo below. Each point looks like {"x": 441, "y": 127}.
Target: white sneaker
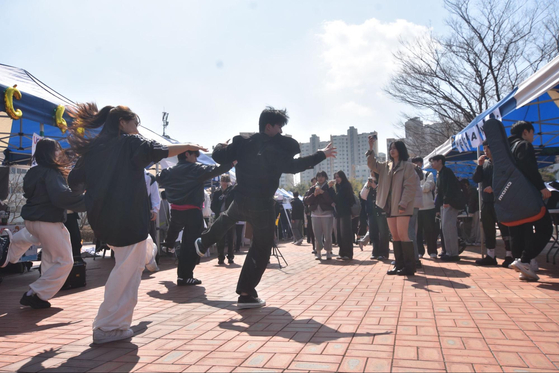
{"x": 523, "y": 277}
{"x": 534, "y": 265}
{"x": 100, "y": 336}
{"x": 152, "y": 265}
{"x": 518, "y": 266}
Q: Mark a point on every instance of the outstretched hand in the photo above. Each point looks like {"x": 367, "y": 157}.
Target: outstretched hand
{"x": 329, "y": 151}
{"x": 372, "y": 141}
{"x": 195, "y": 147}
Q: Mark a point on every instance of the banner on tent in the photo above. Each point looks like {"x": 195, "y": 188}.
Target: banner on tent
{"x": 473, "y": 137}
{"x": 36, "y": 139}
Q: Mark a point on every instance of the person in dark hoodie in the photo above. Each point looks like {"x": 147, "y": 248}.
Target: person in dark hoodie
{"x": 221, "y": 200}
{"x": 484, "y": 175}
{"x": 297, "y": 218}
{"x": 48, "y": 198}
{"x": 111, "y": 170}
{"x": 262, "y": 158}
{"x": 343, "y": 202}
{"x": 184, "y": 185}
{"x": 528, "y": 240}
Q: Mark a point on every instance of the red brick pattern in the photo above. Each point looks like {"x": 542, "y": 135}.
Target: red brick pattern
{"x": 320, "y": 317}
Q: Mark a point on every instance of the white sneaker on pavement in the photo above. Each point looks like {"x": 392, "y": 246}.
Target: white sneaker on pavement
{"x": 518, "y": 266}
{"x": 100, "y": 336}
{"x": 534, "y": 265}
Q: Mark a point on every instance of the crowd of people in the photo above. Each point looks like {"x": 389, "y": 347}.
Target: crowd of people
{"x": 399, "y": 202}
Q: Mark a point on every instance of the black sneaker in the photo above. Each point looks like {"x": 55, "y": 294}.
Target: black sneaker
{"x": 487, "y": 261}
{"x": 508, "y": 261}
{"x": 188, "y": 282}
{"x": 447, "y": 258}
{"x": 33, "y": 301}
{"x": 4, "y": 247}
{"x": 246, "y": 301}
{"x": 220, "y": 262}
{"x": 230, "y": 261}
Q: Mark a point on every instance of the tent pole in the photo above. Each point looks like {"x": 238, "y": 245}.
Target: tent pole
{"x": 42, "y": 129}
{"x": 481, "y": 233}
{"x": 20, "y": 131}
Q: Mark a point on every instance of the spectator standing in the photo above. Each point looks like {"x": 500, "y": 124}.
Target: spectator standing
{"x": 320, "y": 198}
{"x": 378, "y": 233}
{"x": 528, "y": 240}
{"x": 450, "y": 201}
{"x": 154, "y": 202}
{"x": 343, "y": 201}
{"x": 484, "y": 175}
{"x": 310, "y": 232}
{"x": 396, "y": 195}
{"x": 426, "y": 223}
{"x": 221, "y": 200}
{"x": 297, "y": 218}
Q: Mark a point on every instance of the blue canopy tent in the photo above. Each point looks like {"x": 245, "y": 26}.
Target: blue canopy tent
{"x": 38, "y": 105}
{"x": 535, "y": 100}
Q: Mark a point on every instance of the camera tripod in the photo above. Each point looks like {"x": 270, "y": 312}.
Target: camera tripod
{"x": 277, "y": 253}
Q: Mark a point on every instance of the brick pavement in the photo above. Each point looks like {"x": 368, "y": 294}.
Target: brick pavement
{"x": 328, "y": 316}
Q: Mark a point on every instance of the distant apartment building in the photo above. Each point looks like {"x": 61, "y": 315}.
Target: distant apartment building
{"x": 350, "y": 159}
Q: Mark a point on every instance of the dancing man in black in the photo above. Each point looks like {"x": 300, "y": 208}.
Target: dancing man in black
{"x": 262, "y": 158}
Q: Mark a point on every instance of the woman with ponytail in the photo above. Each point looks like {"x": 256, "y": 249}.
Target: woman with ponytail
{"x": 48, "y": 198}
{"x": 111, "y": 170}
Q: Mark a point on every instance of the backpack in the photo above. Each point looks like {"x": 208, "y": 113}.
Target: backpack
{"x": 356, "y": 207}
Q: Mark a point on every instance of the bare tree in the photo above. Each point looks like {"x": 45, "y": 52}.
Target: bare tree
{"x": 492, "y": 47}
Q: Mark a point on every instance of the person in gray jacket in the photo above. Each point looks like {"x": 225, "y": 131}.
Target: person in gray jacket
{"x": 48, "y": 198}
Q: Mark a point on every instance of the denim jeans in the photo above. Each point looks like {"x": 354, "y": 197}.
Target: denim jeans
{"x": 260, "y": 214}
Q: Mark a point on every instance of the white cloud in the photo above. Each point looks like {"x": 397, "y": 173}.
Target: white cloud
{"x": 361, "y": 55}
{"x": 356, "y": 109}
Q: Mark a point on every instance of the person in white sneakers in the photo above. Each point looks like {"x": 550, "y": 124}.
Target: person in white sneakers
{"x": 111, "y": 170}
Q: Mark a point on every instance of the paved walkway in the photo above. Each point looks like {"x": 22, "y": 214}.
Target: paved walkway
{"x": 328, "y": 316}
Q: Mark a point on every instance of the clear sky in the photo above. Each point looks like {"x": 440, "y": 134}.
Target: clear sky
{"x": 214, "y": 65}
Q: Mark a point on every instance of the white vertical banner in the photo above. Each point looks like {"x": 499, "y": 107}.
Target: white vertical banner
{"x": 36, "y": 139}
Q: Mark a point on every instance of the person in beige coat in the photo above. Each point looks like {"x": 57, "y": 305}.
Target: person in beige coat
{"x": 396, "y": 194}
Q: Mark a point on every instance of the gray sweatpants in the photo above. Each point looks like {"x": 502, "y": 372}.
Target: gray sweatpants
{"x": 322, "y": 228}
{"x": 449, "y": 217}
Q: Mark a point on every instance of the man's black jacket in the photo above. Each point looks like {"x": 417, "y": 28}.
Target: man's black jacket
{"x": 525, "y": 157}
{"x": 184, "y": 182}
{"x": 297, "y": 209}
{"x": 449, "y": 190}
{"x": 484, "y": 175}
{"x": 221, "y": 197}
{"x": 261, "y": 162}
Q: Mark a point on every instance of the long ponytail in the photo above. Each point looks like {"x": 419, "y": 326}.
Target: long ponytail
{"x": 87, "y": 118}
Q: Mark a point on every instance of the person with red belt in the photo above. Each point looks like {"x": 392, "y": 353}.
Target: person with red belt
{"x": 184, "y": 186}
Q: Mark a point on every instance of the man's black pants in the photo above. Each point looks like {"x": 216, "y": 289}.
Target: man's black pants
{"x": 310, "y": 232}
{"x": 488, "y": 220}
{"x": 427, "y": 227}
{"x": 527, "y": 244}
{"x": 260, "y": 214}
{"x": 192, "y": 222}
{"x": 73, "y": 227}
{"x": 227, "y": 239}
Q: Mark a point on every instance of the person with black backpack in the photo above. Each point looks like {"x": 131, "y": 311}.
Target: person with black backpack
{"x": 450, "y": 201}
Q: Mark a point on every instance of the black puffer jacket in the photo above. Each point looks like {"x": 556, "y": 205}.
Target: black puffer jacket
{"x": 261, "y": 162}
{"x": 184, "y": 182}
{"x": 221, "y": 197}
{"x": 344, "y": 199}
{"x": 48, "y": 196}
{"x": 525, "y": 158}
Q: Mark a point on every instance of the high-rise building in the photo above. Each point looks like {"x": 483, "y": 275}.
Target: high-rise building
{"x": 350, "y": 159}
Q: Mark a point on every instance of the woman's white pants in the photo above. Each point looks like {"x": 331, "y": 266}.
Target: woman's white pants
{"x": 56, "y": 254}
{"x": 121, "y": 289}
